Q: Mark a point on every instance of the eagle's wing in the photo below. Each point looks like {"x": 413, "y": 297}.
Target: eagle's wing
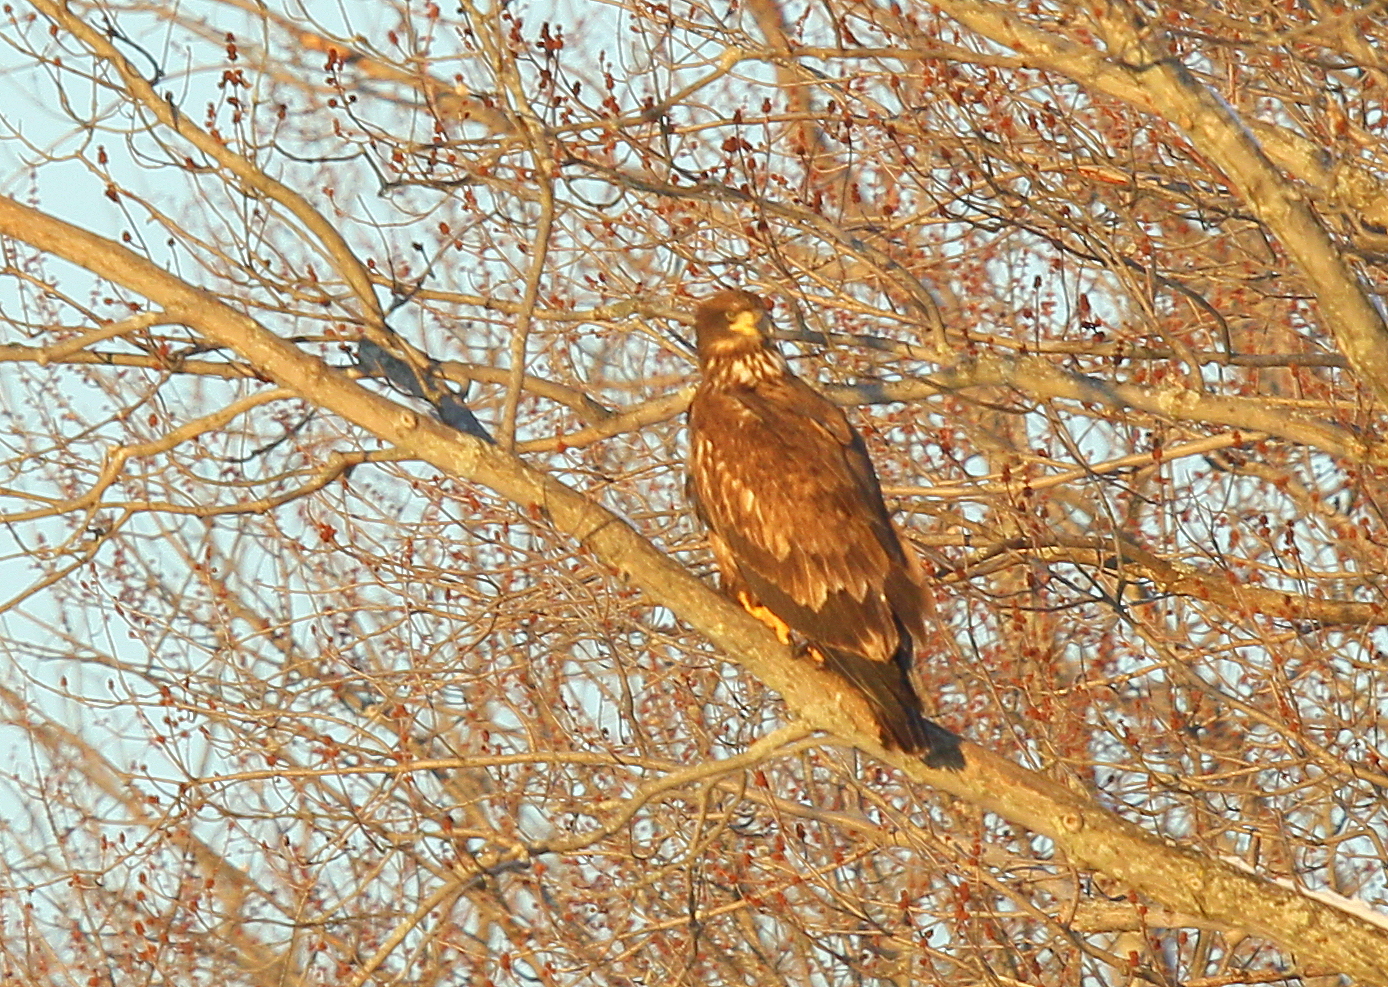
{"x": 796, "y": 513}
{"x": 797, "y": 522}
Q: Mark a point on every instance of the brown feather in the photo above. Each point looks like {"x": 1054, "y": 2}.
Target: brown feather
{"x": 797, "y": 521}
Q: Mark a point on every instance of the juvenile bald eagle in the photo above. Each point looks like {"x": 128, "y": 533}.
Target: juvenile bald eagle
{"x": 797, "y": 523}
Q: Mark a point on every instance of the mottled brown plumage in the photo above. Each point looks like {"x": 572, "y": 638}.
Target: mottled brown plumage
{"x": 797, "y": 522}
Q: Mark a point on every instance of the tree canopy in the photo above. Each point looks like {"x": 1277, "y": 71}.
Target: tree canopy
{"x": 355, "y": 628}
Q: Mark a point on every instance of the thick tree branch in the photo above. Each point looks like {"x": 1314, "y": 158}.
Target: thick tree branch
{"x": 1043, "y": 379}
{"x": 1157, "y": 83}
{"x": 1183, "y": 579}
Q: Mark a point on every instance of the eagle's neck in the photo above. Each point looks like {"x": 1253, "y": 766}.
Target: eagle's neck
{"x": 746, "y": 366}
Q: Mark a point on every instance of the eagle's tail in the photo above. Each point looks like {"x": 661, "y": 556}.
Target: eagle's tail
{"x": 896, "y": 706}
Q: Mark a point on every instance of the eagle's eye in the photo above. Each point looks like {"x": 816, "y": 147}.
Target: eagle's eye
{"x": 730, "y": 315}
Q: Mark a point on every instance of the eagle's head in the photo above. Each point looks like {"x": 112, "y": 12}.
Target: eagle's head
{"x": 732, "y": 323}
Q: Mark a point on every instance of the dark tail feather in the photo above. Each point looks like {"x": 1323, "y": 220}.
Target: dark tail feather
{"x": 897, "y": 707}
{"x": 938, "y": 747}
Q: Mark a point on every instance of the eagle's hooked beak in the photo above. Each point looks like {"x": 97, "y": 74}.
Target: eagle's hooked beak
{"x": 750, "y": 323}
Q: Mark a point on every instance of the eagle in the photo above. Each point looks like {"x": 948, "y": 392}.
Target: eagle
{"x": 797, "y": 524}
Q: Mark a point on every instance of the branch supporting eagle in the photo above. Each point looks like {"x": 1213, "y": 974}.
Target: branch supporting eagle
{"x": 797, "y": 522}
